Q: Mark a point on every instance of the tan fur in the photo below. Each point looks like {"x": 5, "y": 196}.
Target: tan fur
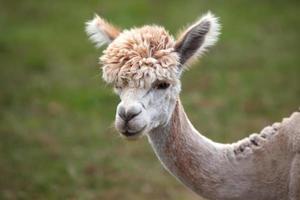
{"x": 139, "y": 56}
{"x": 111, "y": 31}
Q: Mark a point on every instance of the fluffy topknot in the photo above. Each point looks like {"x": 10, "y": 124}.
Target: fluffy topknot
{"x": 139, "y": 56}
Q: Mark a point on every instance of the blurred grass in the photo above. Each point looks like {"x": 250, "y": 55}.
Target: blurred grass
{"x": 57, "y": 139}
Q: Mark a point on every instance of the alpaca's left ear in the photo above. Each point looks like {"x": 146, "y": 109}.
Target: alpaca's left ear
{"x": 195, "y": 40}
{"x": 100, "y": 31}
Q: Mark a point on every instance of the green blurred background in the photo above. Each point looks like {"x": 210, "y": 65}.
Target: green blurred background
{"x": 57, "y": 139}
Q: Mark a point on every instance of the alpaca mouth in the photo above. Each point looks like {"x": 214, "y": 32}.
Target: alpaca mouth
{"x": 129, "y": 133}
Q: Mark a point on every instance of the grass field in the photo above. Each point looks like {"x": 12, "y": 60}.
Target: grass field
{"x": 57, "y": 139}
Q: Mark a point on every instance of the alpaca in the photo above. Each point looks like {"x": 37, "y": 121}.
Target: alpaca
{"x": 145, "y": 65}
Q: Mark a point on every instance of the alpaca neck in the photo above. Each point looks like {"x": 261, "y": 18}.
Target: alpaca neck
{"x": 189, "y": 156}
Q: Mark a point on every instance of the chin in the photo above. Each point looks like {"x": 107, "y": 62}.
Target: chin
{"x": 132, "y": 134}
{"x": 132, "y": 137}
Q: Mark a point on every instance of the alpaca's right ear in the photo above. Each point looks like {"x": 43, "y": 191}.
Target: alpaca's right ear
{"x": 100, "y": 31}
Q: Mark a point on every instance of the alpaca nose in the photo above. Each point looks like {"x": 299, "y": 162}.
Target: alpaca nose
{"x": 131, "y": 112}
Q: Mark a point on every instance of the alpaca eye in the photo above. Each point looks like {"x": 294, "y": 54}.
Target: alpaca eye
{"x": 162, "y": 85}
{"x": 117, "y": 89}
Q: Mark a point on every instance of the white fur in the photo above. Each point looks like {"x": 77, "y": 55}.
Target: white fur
{"x": 95, "y": 33}
{"x": 156, "y": 107}
{"x": 213, "y": 34}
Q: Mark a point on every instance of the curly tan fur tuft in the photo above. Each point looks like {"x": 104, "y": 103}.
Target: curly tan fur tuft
{"x": 139, "y": 56}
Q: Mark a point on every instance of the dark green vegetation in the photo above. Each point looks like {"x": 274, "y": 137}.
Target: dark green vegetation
{"x": 57, "y": 140}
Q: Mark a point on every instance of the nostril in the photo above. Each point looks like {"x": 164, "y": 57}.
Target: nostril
{"x": 130, "y": 114}
{"x": 122, "y": 113}
{"x": 133, "y": 111}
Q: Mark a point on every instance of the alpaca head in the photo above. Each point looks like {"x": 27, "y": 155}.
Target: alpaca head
{"x": 144, "y": 65}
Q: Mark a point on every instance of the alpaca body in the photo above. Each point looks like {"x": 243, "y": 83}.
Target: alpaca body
{"x": 145, "y": 65}
{"x": 267, "y": 167}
